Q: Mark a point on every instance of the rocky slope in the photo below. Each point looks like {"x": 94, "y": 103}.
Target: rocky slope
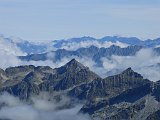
{"x": 25, "y": 80}
{"x": 126, "y": 96}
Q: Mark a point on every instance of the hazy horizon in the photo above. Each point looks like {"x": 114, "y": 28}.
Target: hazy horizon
{"x": 39, "y": 20}
{"x": 68, "y": 38}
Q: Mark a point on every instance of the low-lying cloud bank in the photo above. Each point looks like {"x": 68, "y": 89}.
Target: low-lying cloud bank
{"x": 39, "y": 108}
{"x": 9, "y": 47}
{"x": 8, "y": 51}
{"x": 89, "y": 43}
{"x": 146, "y": 62}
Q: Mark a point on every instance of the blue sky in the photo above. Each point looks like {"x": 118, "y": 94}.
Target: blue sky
{"x": 40, "y": 20}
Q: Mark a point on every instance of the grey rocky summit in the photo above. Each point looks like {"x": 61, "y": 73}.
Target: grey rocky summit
{"x": 125, "y": 96}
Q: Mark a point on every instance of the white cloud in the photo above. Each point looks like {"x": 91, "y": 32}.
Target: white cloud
{"x": 145, "y": 62}
{"x": 8, "y": 53}
{"x": 9, "y": 100}
{"x": 40, "y": 108}
{"x": 88, "y": 43}
{"x": 9, "y": 47}
{"x": 157, "y": 46}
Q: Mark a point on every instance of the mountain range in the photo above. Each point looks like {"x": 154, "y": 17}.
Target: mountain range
{"x": 130, "y": 41}
{"x": 125, "y": 96}
{"x": 92, "y": 52}
{"x": 76, "y": 43}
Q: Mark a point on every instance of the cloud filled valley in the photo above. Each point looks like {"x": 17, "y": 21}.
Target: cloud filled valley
{"x": 145, "y": 61}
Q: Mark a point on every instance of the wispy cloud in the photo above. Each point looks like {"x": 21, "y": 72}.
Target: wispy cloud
{"x": 40, "y": 108}
{"x": 85, "y": 44}
{"x": 145, "y": 62}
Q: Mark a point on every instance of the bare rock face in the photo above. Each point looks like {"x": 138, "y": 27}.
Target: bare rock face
{"x": 26, "y": 80}
{"x": 3, "y": 77}
{"x": 154, "y": 116}
{"x": 120, "y": 93}
{"x": 110, "y": 86}
{"x": 122, "y": 96}
{"x": 73, "y": 74}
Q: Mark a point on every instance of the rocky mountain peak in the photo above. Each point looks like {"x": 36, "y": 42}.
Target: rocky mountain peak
{"x": 73, "y": 61}
{"x": 74, "y": 64}
{"x": 130, "y": 72}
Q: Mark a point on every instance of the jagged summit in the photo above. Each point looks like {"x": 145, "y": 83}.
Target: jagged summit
{"x": 74, "y": 64}
{"x": 72, "y": 74}
{"x": 130, "y": 72}
{"x": 72, "y": 61}
{"x": 84, "y": 38}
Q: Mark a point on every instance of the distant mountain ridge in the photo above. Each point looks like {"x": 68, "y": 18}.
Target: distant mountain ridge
{"x": 76, "y": 43}
{"x": 92, "y": 52}
{"x": 24, "y": 45}
{"x": 130, "y": 41}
